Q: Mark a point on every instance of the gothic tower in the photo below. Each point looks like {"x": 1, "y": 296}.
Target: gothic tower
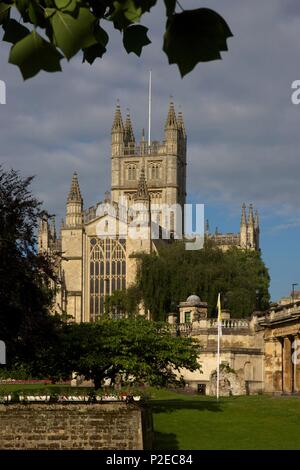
{"x": 164, "y": 162}
{"x": 74, "y": 212}
{"x": 250, "y": 229}
{"x": 243, "y": 228}
{"x": 72, "y": 251}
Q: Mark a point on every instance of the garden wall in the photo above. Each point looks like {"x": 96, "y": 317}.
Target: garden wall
{"x": 75, "y": 426}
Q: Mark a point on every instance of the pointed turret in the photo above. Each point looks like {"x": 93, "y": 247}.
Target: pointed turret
{"x": 142, "y": 193}
{"x": 256, "y": 220}
{"x": 181, "y": 125}
{"x": 128, "y": 130}
{"x": 256, "y": 230}
{"x": 171, "y": 121}
{"x": 117, "y": 133}
{"x": 74, "y": 193}
{"x": 172, "y": 132}
{"x": 74, "y": 204}
{"x": 250, "y": 215}
{"x": 243, "y": 228}
{"x": 118, "y": 122}
{"x": 250, "y": 229}
{"x": 243, "y": 218}
{"x": 43, "y": 235}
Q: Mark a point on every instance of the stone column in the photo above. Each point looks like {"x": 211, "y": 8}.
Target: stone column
{"x": 272, "y": 365}
{"x": 297, "y": 366}
{"x": 287, "y": 365}
{"x": 277, "y": 365}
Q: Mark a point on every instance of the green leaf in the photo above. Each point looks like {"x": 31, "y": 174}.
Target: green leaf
{"x": 67, "y": 5}
{"x": 96, "y": 50}
{"x": 22, "y": 6}
{"x": 32, "y": 54}
{"x": 49, "y": 12}
{"x": 101, "y": 35}
{"x": 14, "y": 31}
{"x": 72, "y": 34}
{"x": 195, "y": 36}
{"x": 4, "y": 12}
{"x": 170, "y": 6}
{"x": 125, "y": 13}
{"x": 92, "y": 52}
{"x": 61, "y": 4}
{"x": 135, "y": 38}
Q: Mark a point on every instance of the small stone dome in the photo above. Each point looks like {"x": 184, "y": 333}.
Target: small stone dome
{"x": 193, "y": 299}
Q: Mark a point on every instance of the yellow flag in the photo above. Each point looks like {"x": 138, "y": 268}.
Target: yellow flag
{"x": 219, "y": 308}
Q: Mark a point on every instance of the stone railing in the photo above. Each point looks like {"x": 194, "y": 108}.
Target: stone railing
{"x": 230, "y": 323}
{"x": 195, "y": 327}
{"x": 156, "y": 148}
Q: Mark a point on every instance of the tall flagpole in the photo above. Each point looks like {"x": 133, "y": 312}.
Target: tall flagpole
{"x": 149, "y": 112}
{"x": 218, "y": 349}
{"x": 218, "y": 362}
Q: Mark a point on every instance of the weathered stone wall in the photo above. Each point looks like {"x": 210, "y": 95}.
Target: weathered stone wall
{"x": 109, "y": 426}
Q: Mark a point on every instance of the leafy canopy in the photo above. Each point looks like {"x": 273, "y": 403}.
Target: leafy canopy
{"x": 25, "y": 292}
{"x": 61, "y": 28}
{"x": 128, "y": 348}
{"x": 167, "y": 279}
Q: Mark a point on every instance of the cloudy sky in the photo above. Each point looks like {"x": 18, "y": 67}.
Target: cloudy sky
{"x": 243, "y": 130}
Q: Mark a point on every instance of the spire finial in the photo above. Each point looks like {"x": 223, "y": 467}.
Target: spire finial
{"x": 250, "y": 215}
{"x": 243, "y": 218}
{"x": 74, "y": 193}
{"x": 117, "y": 123}
{"x": 181, "y": 125}
{"x": 171, "y": 121}
{"x": 142, "y": 192}
{"x": 129, "y": 135}
{"x": 256, "y": 219}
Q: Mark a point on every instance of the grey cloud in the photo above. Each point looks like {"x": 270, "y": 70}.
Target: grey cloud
{"x": 243, "y": 130}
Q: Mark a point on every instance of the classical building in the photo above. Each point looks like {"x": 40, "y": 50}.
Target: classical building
{"x": 242, "y": 349}
{"x": 280, "y": 328}
{"x": 144, "y": 180}
{"x": 258, "y": 355}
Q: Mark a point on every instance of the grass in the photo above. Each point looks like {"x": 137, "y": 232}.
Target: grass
{"x": 250, "y": 422}
{"x": 201, "y": 423}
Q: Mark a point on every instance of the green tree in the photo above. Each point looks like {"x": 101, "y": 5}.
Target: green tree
{"x": 60, "y": 28}
{"x": 129, "y": 348}
{"x": 25, "y": 294}
{"x": 240, "y": 276}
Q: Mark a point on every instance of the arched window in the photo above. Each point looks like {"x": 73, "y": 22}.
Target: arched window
{"x": 107, "y": 272}
{"x": 154, "y": 171}
{"x": 131, "y": 172}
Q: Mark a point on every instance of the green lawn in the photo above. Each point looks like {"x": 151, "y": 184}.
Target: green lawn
{"x": 252, "y": 422}
{"x": 194, "y": 422}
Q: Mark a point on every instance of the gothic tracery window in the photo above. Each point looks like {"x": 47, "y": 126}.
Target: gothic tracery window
{"x": 131, "y": 172}
{"x": 107, "y": 272}
{"x": 154, "y": 171}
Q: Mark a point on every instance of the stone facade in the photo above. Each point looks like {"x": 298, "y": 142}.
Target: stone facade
{"x": 112, "y": 426}
{"x": 242, "y": 346}
{"x": 149, "y": 176}
{"x": 280, "y": 328}
{"x": 263, "y": 352}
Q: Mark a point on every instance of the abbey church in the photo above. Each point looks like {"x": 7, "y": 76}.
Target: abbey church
{"x": 145, "y": 176}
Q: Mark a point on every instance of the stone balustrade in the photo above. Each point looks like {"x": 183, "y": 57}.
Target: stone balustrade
{"x": 197, "y": 327}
